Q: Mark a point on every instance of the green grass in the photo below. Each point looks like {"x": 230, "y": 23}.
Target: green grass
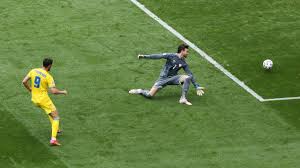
{"x": 94, "y": 45}
{"x": 240, "y": 35}
{"x": 19, "y": 148}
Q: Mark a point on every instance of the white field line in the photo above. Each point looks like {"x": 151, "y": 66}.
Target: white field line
{"x": 282, "y": 98}
{"x": 207, "y": 57}
{"x": 197, "y": 49}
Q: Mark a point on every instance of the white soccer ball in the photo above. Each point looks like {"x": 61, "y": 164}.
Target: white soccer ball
{"x": 268, "y": 64}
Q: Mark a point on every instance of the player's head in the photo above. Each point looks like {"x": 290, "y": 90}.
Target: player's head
{"x": 183, "y": 50}
{"x": 47, "y": 63}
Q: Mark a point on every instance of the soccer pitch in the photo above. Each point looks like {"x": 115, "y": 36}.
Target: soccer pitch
{"x": 94, "y": 45}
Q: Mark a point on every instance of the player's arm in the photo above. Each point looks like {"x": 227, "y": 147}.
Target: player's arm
{"x": 199, "y": 89}
{"x": 25, "y": 83}
{"x": 154, "y": 56}
{"x": 53, "y": 89}
{"x": 56, "y": 91}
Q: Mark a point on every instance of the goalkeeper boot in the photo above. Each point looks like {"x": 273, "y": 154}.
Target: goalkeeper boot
{"x": 183, "y": 100}
{"x": 135, "y": 91}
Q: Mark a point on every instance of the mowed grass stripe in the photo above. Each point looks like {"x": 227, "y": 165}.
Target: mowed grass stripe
{"x": 240, "y": 35}
{"x": 94, "y": 46}
{"x": 20, "y": 149}
{"x": 198, "y": 50}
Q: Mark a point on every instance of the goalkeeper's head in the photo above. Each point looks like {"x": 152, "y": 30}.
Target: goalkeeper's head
{"x": 183, "y": 50}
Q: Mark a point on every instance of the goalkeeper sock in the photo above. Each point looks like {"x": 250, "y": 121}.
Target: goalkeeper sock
{"x": 146, "y": 93}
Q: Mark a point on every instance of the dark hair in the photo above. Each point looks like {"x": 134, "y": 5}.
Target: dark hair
{"x": 47, "y": 62}
{"x": 182, "y": 47}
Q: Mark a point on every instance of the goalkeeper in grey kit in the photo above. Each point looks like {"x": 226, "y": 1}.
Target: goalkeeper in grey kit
{"x": 169, "y": 74}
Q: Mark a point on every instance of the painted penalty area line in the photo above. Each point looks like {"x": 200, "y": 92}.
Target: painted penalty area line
{"x": 198, "y": 50}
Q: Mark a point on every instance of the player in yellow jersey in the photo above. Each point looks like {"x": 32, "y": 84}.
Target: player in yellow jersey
{"x": 41, "y": 80}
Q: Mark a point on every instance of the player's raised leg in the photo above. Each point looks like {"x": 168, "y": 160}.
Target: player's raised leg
{"x": 55, "y": 126}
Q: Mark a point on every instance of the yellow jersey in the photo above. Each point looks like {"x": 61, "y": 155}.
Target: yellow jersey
{"x": 41, "y": 80}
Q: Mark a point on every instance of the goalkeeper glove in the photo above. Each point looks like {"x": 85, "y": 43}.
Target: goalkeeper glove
{"x": 200, "y": 91}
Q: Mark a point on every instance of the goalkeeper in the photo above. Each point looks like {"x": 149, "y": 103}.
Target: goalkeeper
{"x": 169, "y": 74}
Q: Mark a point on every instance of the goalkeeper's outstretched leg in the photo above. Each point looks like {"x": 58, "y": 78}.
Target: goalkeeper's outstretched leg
{"x": 169, "y": 74}
{"x": 145, "y": 93}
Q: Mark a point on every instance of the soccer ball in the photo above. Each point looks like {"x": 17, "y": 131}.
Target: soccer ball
{"x": 268, "y": 64}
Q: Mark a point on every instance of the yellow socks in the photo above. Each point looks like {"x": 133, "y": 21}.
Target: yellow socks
{"x": 51, "y": 119}
{"x": 55, "y": 126}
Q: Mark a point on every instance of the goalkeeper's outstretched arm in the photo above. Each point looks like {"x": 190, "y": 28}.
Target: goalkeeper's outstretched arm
{"x": 153, "y": 56}
{"x": 189, "y": 72}
{"x": 199, "y": 89}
